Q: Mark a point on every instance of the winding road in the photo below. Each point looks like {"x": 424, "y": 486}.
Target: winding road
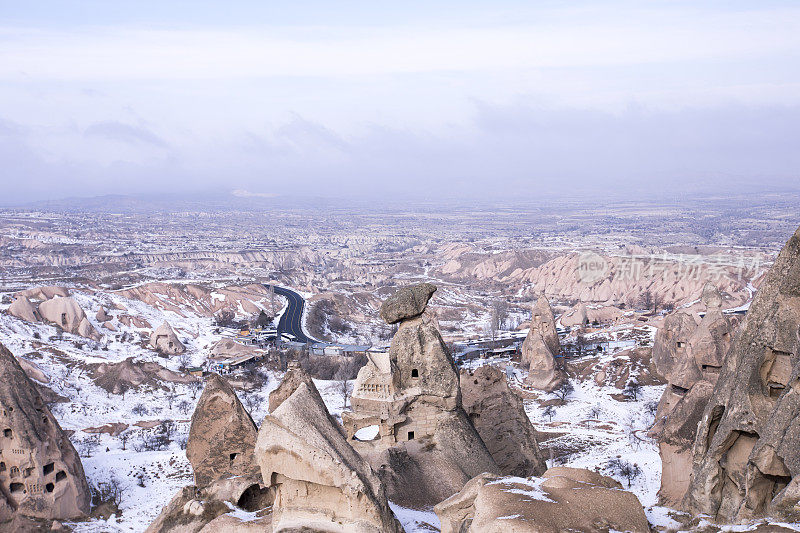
{"x": 291, "y": 321}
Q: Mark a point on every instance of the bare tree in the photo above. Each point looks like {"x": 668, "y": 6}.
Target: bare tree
{"x": 633, "y": 390}
{"x": 252, "y": 402}
{"x": 183, "y": 361}
{"x": 88, "y": 445}
{"x": 621, "y": 467}
{"x": 501, "y": 311}
{"x": 195, "y": 387}
{"x": 111, "y": 491}
{"x": 549, "y": 412}
{"x": 171, "y": 396}
{"x": 564, "y": 390}
{"x": 123, "y": 439}
{"x": 494, "y": 324}
{"x": 342, "y": 385}
{"x": 184, "y": 406}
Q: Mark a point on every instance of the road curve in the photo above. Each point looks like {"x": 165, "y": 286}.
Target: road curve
{"x": 291, "y": 321}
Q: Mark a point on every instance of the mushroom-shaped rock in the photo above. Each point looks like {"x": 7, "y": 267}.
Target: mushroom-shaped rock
{"x": 746, "y": 460}
{"x": 320, "y": 482}
{"x": 41, "y": 474}
{"x": 423, "y": 445}
{"x": 561, "y": 500}
{"x": 499, "y": 417}
{"x": 165, "y": 341}
{"x": 222, "y": 435}
{"x": 23, "y": 309}
{"x": 407, "y": 302}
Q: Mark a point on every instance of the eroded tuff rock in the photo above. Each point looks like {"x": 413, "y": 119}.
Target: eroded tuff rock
{"x": 690, "y": 356}
{"x": 40, "y": 473}
{"x": 193, "y": 509}
{"x": 222, "y": 436}
{"x": 746, "y": 458}
{"x": 563, "y": 499}
{"x": 672, "y": 342}
{"x": 577, "y": 316}
{"x": 165, "y": 341}
{"x": 66, "y": 314}
{"x": 499, "y": 417}
{"x": 23, "y": 309}
{"x": 220, "y": 449}
{"x": 540, "y": 348}
{"x": 407, "y": 417}
{"x": 321, "y": 483}
{"x": 43, "y": 293}
{"x": 407, "y": 303}
{"x": 294, "y": 376}
{"x": 102, "y": 315}
{"x": 120, "y": 377}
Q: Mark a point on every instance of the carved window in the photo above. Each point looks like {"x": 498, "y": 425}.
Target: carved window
{"x": 48, "y": 469}
{"x": 7, "y": 433}
{"x": 410, "y": 435}
{"x": 414, "y": 373}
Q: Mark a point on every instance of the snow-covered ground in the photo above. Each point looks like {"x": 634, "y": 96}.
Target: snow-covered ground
{"x": 591, "y": 429}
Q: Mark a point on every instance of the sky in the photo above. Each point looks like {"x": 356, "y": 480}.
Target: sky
{"x": 410, "y": 99}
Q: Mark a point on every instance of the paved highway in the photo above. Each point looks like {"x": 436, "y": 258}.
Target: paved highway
{"x": 291, "y": 321}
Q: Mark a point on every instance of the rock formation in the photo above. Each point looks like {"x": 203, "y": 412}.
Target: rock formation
{"x": 689, "y": 355}
{"x": 320, "y": 482}
{"x": 102, "y": 315}
{"x": 563, "y": 499}
{"x": 23, "y": 309}
{"x": 41, "y": 475}
{"x": 222, "y": 436}
{"x": 220, "y": 448}
{"x": 294, "y": 376}
{"x": 577, "y": 316}
{"x": 746, "y": 459}
{"x": 66, "y": 314}
{"x": 164, "y": 340}
{"x": 499, "y": 416}
{"x": 43, "y": 293}
{"x": 407, "y": 418}
{"x": 120, "y": 377}
{"x": 407, "y": 303}
{"x": 540, "y": 348}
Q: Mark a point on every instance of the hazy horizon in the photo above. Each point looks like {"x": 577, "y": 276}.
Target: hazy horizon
{"x": 357, "y": 100}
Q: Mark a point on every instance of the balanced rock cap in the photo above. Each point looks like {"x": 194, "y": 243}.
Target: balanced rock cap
{"x": 408, "y": 302}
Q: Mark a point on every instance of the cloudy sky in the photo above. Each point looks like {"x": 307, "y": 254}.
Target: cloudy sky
{"x": 420, "y": 98}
